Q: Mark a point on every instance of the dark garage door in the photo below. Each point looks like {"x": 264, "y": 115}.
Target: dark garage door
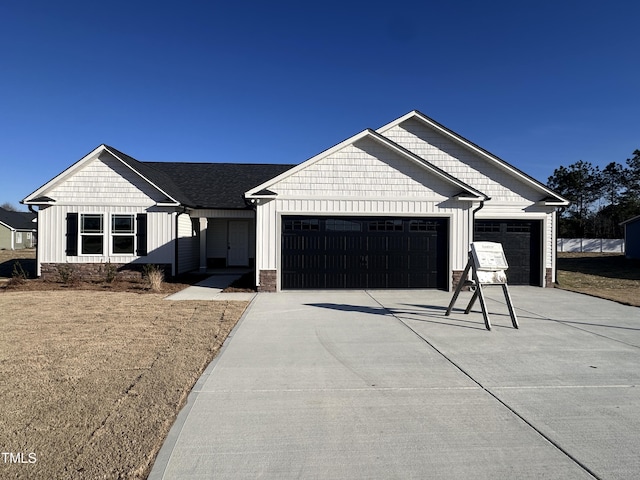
{"x": 521, "y": 244}
{"x": 363, "y": 252}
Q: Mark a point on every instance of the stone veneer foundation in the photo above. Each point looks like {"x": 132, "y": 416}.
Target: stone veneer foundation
{"x": 268, "y": 281}
{"x": 548, "y": 282}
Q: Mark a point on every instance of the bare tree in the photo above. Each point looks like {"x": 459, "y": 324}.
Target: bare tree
{"x": 10, "y": 207}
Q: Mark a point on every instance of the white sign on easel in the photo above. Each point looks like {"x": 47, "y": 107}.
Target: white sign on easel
{"x": 487, "y": 264}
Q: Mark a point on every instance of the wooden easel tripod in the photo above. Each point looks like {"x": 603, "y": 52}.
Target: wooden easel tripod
{"x": 479, "y": 294}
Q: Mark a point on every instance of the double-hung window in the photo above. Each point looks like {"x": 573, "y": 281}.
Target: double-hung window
{"x": 103, "y": 234}
{"x": 91, "y": 234}
{"x": 123, "y": 237}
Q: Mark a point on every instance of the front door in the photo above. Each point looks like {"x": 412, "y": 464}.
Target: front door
{"x": 238, "y": 243}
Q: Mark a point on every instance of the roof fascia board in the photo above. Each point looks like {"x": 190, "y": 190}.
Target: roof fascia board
{"x": 368, "y": 133}
{"x": 7, "y": 225}
{"x": 61, "y": 176}
{"x": 474, "y": 148}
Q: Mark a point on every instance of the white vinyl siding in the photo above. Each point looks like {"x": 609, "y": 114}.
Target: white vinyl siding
{"x": 104, "y": 181}
{"x": 160, "y": 228}
{"x": 188, "y": 247}
{"x": 467, "y": 166}
{"x": 365, "y": 169}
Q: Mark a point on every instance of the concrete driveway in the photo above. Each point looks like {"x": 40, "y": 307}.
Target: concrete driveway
{"x": 381, "y": 385}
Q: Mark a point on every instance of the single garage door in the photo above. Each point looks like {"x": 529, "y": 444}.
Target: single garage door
{"x": 363, "y": 252}
{"x": 521, "y": 242}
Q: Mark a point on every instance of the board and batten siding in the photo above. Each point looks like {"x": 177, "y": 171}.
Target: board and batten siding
{"x": 188, "y": 247}
{"x": 105, "y": 181}
{"x": 53, "y": 221}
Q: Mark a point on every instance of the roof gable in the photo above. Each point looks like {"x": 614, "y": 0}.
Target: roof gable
{"x": 127, "y": 167}
{"x": 371, "y": 137}
{"x": 509, "y": 175}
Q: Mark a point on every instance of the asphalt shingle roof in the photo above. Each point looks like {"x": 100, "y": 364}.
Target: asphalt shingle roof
{"x": 205, "y": 185}
{"x": 219, "y": 185}
{"x": 18, "y": 220}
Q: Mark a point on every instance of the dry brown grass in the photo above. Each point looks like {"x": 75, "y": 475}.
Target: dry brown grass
{"x": 92, "y": 381}
{"x": 603, "y": 275}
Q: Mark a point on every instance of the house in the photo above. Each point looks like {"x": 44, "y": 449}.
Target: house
{"x": 395, "y": 207}
{"x": 17, "y": 230}
{"x": 632, "y": 237}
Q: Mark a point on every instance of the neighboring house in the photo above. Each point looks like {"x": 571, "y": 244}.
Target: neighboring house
{"x": 632, "y": 237}
{"x": 392, "y": 208}
{"x": 17, "y": 230}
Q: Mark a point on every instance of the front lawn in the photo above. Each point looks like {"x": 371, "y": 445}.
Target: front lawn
{"x": 604, "y": 275}
{"x": 93, "y": 380}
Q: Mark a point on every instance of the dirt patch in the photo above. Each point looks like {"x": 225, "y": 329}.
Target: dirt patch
{"x": 610, "y": 276}
{"x": 92, "y": 381}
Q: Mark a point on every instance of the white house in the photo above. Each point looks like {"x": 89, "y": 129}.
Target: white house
{"x": 392, "y": 208}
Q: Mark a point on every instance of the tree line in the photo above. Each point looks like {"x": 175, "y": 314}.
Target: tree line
{"x": 600, "y": 198}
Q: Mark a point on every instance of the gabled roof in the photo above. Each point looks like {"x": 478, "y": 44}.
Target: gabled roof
{"x": 195, "y": 185}
{"x": 17, "y": 220}
{"x": 467, "y": 191}
{"x": 554, "y": 199}
{"x": 39, "y": 197}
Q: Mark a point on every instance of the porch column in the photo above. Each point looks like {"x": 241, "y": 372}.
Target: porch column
{"x": 203, "y": 244}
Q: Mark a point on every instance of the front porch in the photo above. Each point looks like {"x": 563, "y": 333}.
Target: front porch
{"x": 221, "y": 241}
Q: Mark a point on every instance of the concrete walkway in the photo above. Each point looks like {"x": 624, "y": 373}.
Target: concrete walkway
{"x": 381, "y": 385}
{"x": 212, "y": 288}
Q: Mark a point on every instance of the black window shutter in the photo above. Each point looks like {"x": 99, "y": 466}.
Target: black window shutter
{"x": 72, "y": 234}
{"x": 141, "y": 235}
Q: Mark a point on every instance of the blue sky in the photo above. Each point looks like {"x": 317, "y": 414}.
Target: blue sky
{"x": 540, "y": 84}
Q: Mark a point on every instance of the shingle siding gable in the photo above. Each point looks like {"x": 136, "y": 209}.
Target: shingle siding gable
{"x": 364, "y": 169}
{"x": 105, "y": 180}
{"x": 460, "y": 162}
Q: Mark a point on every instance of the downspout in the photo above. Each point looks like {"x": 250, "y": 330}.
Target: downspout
{"x": 473, "y": 216}
{"x": 559, "y": 212}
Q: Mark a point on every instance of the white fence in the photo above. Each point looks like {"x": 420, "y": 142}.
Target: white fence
{"x": 601, "y": 245}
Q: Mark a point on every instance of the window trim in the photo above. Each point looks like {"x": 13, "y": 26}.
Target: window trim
{"x": 113, "y": 234}
{"x": 82, "y": 234}
{"x": 108, "y": 234}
